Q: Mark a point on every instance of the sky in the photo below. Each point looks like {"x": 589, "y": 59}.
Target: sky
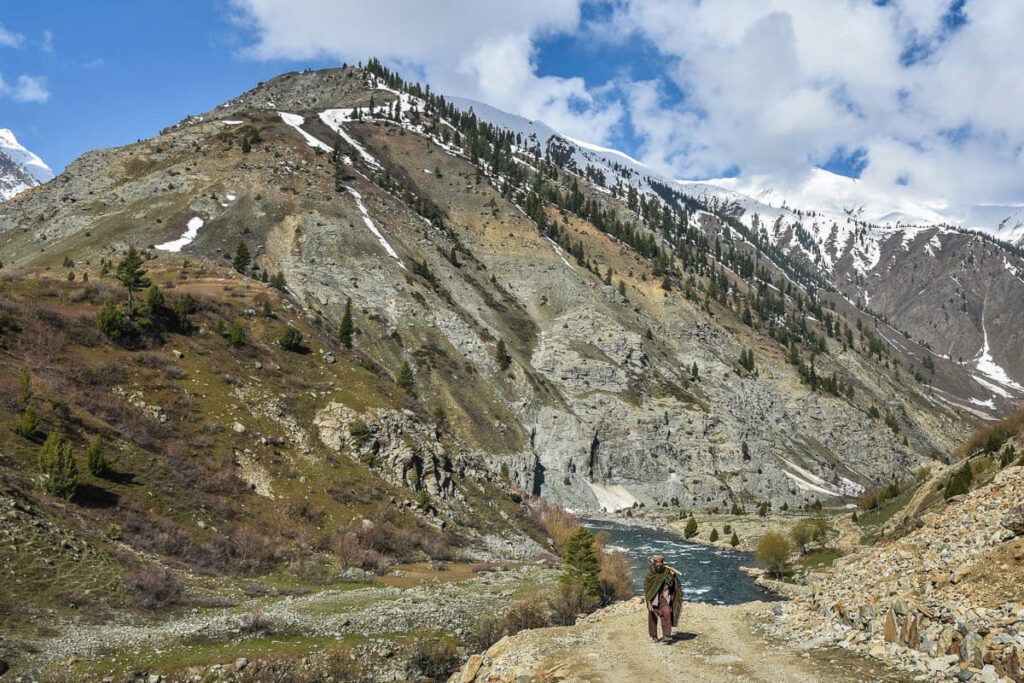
{"x": 921, "y": 95}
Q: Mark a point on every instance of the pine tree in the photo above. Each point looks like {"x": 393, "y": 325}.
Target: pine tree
{"x": 95, "y": 461}
{"x": 694, "y": 372}
{"x": 345, "y": 330}
{"x": 277, "y": 281}
{"x": 290, "y": 339}
{"x": 714, "y": 535}
{"x": 501, "y": 355}
{"x": 236, "y": 337}
{"x": 154, "y": 299}
{"x": 132, "y": 275}
{"x": 241, "y": 260}
{"x": 58, "y": 465}
{"x": 405, "y": 379}
{"x": 735, "y": 540}
{"x": 29, "y": 423}
{"x": 183, "y": 307}
{"x": 580, "y": 563}
{"x": 24, "y": 386}
{"x": 691, "y": 528}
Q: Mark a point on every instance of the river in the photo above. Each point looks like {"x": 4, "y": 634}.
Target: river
{"x": 707, "y": 574}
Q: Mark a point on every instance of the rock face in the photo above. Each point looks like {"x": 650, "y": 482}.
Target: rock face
{"x": 620, "y": 373}
{"x": 404, "y": 450}
{"x": 945, "y": 590}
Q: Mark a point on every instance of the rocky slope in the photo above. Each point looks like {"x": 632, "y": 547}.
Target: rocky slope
{"x": 623, "y": 341}
{"x": 942, "y": 600}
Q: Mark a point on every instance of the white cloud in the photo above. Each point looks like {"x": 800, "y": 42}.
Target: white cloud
{"x": 779, "y": 85}
{"x": 767, "y": 85}
{"x": 25, "y": 89}
{"x": 475, "y": 49}
{"x": 47, "y": 45}
{"x": 10, "y": 39}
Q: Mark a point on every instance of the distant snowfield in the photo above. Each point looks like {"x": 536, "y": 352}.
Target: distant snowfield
{"x": 35, "y": 167}
{"x": 191, "y": 231}
{"x": 334, "y": 118}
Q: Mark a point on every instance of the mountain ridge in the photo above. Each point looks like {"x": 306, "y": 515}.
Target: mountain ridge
{"x": 20, "y": 169}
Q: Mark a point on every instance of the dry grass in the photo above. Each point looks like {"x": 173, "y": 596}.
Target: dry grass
{"x": 988, "y": 434}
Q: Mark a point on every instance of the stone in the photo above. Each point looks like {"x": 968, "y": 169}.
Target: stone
{"x": 238, "y": 427}
{"x": 1013, "y": 519}
{"x": 3, "y": 667}
{"x": 471, "y": 668}
{"x": 889, "y": 631}
{"x": 973, "y": 650}
{"x": 178, "y": 354}
{"x": 329, "y": 358}
{"x": 241, "y": 663}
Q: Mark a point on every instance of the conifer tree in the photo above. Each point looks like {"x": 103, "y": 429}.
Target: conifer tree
{"x": 28, "y": 424}
{"x": 580, "y": 563}
{"x": 94, "y": 460}
{"x": 58, "y": 466}
{"x": 236, "y": 337}
{"x": 242, "y": 258}
{"x": 345, "y": 330}
{"x": 132, "y": 276}
{"x": 714, "y": 535}
{"x": 109, "y": 320}
{"x": 735, "y": 540}
{"x": 405, "y": 379}
{"x": 501, "y": 355}
{"x": 691, "y": 528}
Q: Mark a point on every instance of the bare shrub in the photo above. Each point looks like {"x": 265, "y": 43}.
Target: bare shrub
{"x": 436, "y": 658}
{"x": 345, "y": 547}
{"x": 153, "y": 587}
{"x": 558, "y": 523}
{"x": 617, "y": 581}
{"x": 256, "y": 622}
{"x": 375, "y": 562}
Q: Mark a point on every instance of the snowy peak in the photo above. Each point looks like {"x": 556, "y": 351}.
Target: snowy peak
{"x": 20, "y": 169}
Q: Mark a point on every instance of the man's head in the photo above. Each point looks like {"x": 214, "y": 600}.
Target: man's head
{"x": 659, "y": 561}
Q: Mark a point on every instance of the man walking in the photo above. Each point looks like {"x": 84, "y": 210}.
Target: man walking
{"x": 664, "y": 599}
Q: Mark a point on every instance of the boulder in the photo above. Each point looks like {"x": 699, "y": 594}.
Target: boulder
{"x": 890, "y": 631}
{"x": 1013, "y": 519}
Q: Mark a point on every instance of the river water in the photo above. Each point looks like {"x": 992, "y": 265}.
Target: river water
{"x": 707, "y": 574}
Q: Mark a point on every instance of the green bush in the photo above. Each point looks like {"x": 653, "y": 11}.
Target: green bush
{"x": 735, "y": 540}
{"x": 714, "y": 535}
{"x": 773, "y": 552}
{"x": 405, "y": 379}
{"x": 109, "y": 320}
{"x": 580, "y": 563}
{"x": 960, "y": 482}
{"x": 290, "y": 339}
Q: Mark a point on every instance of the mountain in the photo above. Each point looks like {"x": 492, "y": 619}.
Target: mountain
{"x": 838, "y": 197}
{"x": 20, "y": 169}
{"x": 406, "y": 320}
{"x": 627, "y": 307}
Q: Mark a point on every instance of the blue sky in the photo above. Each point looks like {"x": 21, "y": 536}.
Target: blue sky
{"x": 921, "y": 95}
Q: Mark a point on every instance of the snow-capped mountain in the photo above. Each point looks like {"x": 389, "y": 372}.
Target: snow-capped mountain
{"x": 20, "y": 169}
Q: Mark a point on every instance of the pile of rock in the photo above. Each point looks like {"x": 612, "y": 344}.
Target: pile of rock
{"x": 919, "y": 603}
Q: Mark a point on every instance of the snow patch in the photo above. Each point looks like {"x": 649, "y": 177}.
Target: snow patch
{"x": 335, "y": 118}
{"x": 612, "y": 497}
{"x": 191, "y": 230}
{"x": 808, "y": 481}
{"x": 296, "y": 121}
{"x": 373, "y": 228}
{"x": 230, "y": 123}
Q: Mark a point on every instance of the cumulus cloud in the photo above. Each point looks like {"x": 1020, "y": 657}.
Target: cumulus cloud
{"x": 474, "y": 49}
{"x": 927, "y": 92}
{"x": 25, "y": 89}
{"x": 10, "y": 39}
{"x": 924, "y": 87}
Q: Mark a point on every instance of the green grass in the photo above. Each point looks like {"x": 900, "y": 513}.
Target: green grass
{"x": 816, "y": 559}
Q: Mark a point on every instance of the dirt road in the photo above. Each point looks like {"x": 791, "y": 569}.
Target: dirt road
{"x": 714, "y": 644}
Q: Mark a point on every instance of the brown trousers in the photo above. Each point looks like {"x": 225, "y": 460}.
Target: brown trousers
{"x": 663, "y": 612}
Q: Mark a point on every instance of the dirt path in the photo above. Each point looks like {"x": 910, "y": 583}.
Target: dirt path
{"x": 714, "y": 644}
{"x": 849, "y": 535}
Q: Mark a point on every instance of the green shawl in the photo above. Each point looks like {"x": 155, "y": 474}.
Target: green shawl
{"x": 652, "y": 586}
